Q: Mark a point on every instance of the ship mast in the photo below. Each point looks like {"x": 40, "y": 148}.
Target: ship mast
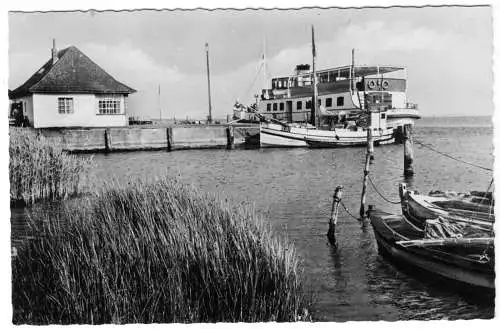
{"x": 209, "y": 120}
{"x": 314, "y": 112}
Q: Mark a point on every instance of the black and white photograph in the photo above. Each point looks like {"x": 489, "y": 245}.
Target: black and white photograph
{"x": 276, "y": 163}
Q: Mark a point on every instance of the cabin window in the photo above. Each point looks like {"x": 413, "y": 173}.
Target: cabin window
{"x": 328, "y": 102}
{"x": 109, "y": 104}
{"x": 299, "y": 105}
{"x": 282, "y": 106}
{"x": 65, "y": 105}
{"x": 275, "y": 107}
{"x": 269, "y": 107}
{"x": 308, "y": 104}
{"x": 340, "y": 101}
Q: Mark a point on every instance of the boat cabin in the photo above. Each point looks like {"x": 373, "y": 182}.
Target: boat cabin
{"x": 342, "y": 92}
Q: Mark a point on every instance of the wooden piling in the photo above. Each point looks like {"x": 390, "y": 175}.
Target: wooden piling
{"x": 337, "y": 197}
{"x": 366, "y": 172}
{"x": 107, "y": 140}
{"x": 408, "y": 151}
{"x": 230, "y": 137}
{"x": 370, "y": 145}
{"x": 169, "y": 139}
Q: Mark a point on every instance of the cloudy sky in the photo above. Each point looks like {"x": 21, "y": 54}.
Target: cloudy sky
{"x": 447, "y": 50}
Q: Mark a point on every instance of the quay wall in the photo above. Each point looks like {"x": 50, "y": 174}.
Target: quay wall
{"x": 121, "y": 139}
{"x": 77, "y": 139}
{"x": 152, "y": 138}
{"x": 199, "y": 137}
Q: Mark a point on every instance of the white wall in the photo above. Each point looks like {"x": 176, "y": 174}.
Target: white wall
{"x": 398, "y": 100}
{"x": 85, "y": 114}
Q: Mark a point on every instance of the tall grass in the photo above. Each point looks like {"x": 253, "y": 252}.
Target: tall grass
{"x": 155, "y": 252}
{"x": 40, "y": 170}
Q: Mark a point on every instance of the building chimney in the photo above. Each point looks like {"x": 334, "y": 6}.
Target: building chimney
{"x": 54, "y": 52}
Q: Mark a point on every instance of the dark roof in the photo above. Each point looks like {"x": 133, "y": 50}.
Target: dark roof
{"x": 73, "y": 72}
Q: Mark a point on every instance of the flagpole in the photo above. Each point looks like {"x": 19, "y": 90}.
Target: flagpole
{"x": 209, "y": 96}
{"x": 314, "y": 111}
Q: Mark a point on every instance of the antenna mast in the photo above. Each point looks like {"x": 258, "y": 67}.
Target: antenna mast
{"x": 208, "y": 78}
{"x": 314, "y": 112}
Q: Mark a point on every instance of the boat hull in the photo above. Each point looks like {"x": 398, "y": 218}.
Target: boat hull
{"x": 446, "y": 262}
{"x": 419, "y": 208}
{"x": 275, "y": 135}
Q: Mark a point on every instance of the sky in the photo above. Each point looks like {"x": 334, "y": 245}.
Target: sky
{"x": 447, "y": 52}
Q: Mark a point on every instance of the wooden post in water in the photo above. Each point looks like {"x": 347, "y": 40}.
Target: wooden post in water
{"x": 230, "y": 137}
{"x": 107, "y": 140}
{"x": 408, "y": 151}
{"x": 337, "y": 197}
{"x": 366, "y": 172}
{"x": 169, "y": 139}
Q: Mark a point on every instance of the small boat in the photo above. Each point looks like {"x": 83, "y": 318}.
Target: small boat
{"x": 279, "y": 134}
{"x": 474, "y": 209}
{"x": 465, "y": 258}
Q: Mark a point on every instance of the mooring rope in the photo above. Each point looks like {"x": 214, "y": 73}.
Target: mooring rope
{"x": 347, "y": 210}
{"x": 451, "y": 157}
{"x": 381, "y": 195}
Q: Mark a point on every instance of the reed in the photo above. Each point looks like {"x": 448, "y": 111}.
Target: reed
{"x": 155, "y": 252}
{"x": 40, "y": 170}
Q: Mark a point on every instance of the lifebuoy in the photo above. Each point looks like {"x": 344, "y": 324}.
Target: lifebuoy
{"x": 371, "y": 84}
{"x": 385, "y": 84}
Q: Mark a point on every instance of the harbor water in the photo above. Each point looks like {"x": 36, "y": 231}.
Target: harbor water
{"x": 292, "y": 189}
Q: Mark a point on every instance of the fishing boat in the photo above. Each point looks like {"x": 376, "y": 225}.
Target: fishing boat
{"x": 476, "y": 208}
{"x": 274, "y": 134}
{"x": 467, "y": 258}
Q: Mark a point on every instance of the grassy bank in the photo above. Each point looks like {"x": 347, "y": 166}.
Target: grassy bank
{"x": 40, "y": 170}
{"x": 155, "y": 252}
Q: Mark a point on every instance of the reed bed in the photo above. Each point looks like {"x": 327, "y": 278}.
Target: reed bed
{"x": 40, "y": 170}
{"x": 155, "y": 252}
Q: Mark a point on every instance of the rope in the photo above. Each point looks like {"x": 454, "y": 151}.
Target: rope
{"x": 451, "y": 157}
{"x": 381, "y": 195}
{"x": 347, "y": 210}
{"x": 254, "y": 79}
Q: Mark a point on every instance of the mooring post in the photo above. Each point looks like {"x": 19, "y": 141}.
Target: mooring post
{"x": 370, "y": 145}
{"x": 366, "y": 172}
{"x": 230, "y": 137}
{"x": 107, "y": 140}
{"x": 169, "y": 139}
{"x": 337, "y": 197}
{"x": 408, "y": 151}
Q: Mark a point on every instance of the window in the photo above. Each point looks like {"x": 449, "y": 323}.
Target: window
{"x": 109, "y": 104}
{"x": 308, "y": 104}
{"x": 269, "y": 107}
{"x": 299, "y": 105}
{"x": 282, "y": 106}
{"x": 328, "y": 102}
{"x": 65, "y": 105}
{"x": 340, "y": 101}
{"x": 319, "y": 102}
{"x": 382, "y": 115}
{"x": 275, "y": 107}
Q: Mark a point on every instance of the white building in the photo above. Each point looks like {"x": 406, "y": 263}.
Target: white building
{"x": 70, "y": 90}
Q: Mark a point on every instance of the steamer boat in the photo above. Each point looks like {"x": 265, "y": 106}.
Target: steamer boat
{"x": 333, "y": 107}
